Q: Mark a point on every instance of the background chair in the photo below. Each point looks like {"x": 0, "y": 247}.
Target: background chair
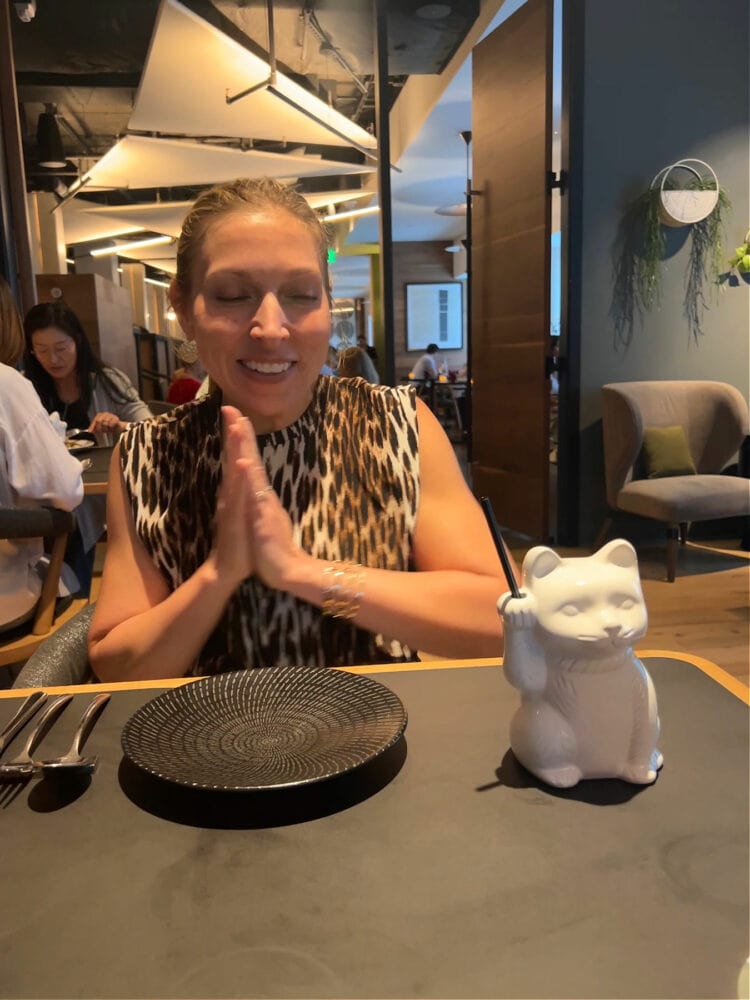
{"x": 62, "y": 658}
{"x": 714, "y": 417}
{"x": 55, "y": 525}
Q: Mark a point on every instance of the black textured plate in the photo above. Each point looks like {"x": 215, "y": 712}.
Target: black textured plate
{"x": 261, "y": 729}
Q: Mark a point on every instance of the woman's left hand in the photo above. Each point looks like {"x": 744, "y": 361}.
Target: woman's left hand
{"x": 274, "y": 549}
{"x": 106, "y": 423}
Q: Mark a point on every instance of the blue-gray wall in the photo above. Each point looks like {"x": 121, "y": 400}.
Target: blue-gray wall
{"x": 661, "y": 80}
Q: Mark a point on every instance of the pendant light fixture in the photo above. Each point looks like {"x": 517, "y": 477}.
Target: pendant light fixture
{"x": 49, "y": 140}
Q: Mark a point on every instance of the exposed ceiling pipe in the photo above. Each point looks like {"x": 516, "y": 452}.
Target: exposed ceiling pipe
{"x": 330, "y": 49}
{"x": 270, "y": 85}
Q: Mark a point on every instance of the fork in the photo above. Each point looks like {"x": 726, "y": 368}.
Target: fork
{"x": 22, "y": 767}
{"x": 72, "y": 762}
{"x": 27, "y": 711}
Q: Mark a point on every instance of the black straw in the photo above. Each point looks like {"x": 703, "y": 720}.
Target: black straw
{"x": 500, "y": 546}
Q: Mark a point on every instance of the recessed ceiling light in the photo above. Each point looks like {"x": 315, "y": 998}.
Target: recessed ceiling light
{"x": 433, "y": 11}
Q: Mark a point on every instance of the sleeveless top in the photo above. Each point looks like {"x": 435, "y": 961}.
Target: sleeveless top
{"x": 347, "y": 472}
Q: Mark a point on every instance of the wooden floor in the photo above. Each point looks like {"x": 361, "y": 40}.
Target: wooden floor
{"x": 706, "y": 611}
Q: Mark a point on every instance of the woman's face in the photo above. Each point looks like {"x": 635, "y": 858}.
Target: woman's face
{"x": 259, "y": 314}
{"x": 55, "y": 351}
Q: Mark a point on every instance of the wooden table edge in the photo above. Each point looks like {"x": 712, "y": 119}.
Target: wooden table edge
{"x": 716, "y": 673}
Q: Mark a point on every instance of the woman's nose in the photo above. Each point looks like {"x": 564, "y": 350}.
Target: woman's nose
{"x": 269, "y": 319}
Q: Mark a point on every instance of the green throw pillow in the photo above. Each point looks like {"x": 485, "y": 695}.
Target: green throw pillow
{"x": 666, "y": 452}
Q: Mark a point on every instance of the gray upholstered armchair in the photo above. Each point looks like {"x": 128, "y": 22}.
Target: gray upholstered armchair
{"x": 714, "y": 417}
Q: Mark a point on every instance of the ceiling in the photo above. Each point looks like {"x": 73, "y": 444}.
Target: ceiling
{"x": 119, "y": 84}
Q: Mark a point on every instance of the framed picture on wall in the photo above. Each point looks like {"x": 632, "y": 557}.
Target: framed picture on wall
{"x": 434, "y": 315}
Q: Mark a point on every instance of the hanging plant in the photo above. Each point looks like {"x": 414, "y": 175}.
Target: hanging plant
{"x": 698, "y": 202}
{"x": 741, "y": 258}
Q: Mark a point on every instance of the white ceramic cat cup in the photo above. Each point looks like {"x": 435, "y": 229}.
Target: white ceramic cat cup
{"x": 588, "y": 706}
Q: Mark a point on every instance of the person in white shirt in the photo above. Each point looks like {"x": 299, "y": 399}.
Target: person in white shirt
{"x": 427, "y": 367}
{"x": 36, "y": 468}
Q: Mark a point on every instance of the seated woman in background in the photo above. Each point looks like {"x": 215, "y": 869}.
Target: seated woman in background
{"x": 35, "y": 468}
{"x": 354, "y": 363}
{"x": 186, "y": 381}
{"x": 88, "y": 395}
{"x": 71, "y": 380}
{"x": 293, "y": 518}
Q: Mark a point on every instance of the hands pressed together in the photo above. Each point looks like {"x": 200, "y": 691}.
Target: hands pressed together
{"x": 253, "y": 531}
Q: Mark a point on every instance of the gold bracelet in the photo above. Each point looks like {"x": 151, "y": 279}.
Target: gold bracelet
{"x": 343, "y": 584}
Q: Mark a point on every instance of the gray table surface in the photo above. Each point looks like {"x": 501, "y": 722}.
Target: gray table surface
{"x": 460, "y": 877}
{"x": 98, "y": 470}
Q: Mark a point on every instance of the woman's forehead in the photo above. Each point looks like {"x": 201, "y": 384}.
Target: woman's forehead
{"x": 253, "y": 222}
{"x": 259, "y": 237}
{"x": 51, "y": 331}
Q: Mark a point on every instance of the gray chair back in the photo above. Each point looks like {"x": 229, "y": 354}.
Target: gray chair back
{"x": 62, "y": 658}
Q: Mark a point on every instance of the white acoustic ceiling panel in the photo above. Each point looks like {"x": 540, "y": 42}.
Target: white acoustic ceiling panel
{"x": 192, "y": 67}
{"x": 160, "y": 217}
{"x": 80, "y": 225}
{"x": 137, "y": 162}
{"x": 167, "y": 216}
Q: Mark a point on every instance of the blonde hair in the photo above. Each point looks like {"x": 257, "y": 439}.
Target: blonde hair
{"x": 11, "y": 328}
{"x": 245, "y": 194}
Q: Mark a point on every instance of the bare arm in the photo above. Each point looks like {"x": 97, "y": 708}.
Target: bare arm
{"x": 142, "y": 629}
{"x": 449, "y": 606}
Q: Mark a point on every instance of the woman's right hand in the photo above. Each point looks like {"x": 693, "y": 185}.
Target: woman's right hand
{"x": 232, "y": 553}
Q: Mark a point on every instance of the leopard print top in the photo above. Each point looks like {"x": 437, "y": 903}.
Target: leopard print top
{"x": 347, "y": 472}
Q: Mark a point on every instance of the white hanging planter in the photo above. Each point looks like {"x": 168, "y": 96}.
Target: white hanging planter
{"x": 685, "y": 206}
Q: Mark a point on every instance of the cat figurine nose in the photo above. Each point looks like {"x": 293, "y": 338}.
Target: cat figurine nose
{"x": 588, "y": 709}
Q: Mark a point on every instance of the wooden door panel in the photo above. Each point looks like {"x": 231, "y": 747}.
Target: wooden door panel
{"x": 511, "y": 141}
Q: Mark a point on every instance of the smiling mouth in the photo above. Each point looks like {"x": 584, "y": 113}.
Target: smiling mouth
{"x": 267, "y": 367}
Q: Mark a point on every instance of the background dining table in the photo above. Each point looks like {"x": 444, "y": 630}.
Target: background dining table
{"x": 96, "y": 470}
{"x": 440, "y": 869}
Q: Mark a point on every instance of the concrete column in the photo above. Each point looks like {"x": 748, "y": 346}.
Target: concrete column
{"x": 105, "y": 267}
{"x": 157, "y": 307}
{"x": 47, "y": 234}
{"x": 134, "y": 280}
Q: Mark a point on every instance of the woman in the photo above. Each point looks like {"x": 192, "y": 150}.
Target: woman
{"x": 355, "y": 363}
{"x": 288, "y": 511}
{"x": 70, "y": 379}
{"x": 35, "y": 468}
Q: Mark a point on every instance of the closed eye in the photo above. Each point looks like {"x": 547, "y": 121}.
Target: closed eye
{"x": 301, "y": 296}
{"x": 570, "y": 610}
{"x": 626, "y": 603}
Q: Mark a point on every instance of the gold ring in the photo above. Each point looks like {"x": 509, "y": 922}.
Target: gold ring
{"x": 260, "y": 493}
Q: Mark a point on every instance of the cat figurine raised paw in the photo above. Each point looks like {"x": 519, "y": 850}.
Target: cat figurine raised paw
{"x": 588, "y": 706}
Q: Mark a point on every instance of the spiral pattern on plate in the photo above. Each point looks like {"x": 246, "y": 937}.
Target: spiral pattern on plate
{"x": 263, "y": 729}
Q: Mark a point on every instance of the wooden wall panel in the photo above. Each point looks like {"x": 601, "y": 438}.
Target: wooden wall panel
{"x": 417, "y": 262}
{"x": 511, "y": 142}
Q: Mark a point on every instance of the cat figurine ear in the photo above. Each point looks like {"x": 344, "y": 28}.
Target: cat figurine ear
{"x": 588, "y": 706}
{"x": 619, "y": 553}
{"x": 539, "y": 562}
